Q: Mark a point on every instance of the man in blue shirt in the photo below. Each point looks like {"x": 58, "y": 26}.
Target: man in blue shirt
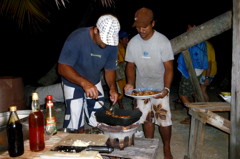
{"x": 86, "y": 52}
{"x": 199, "y": 59}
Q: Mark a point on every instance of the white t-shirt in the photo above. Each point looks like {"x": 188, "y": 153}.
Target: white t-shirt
{"x": 148, "y": 56}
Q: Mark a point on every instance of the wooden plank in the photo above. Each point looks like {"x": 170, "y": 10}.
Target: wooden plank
{"x": 213, "y": 109}
{"x": 212, "y": 106}
{"x": 207, "y": 104}
{"x": 192, "y": 138}
{"x": 212, "y": 119}
{"x": 196, "y": 139}
{"x": 186, "y": 157}
{"x": 201, "y": 116}
{"x": 193, "y": 77}
{"x": 235, "y": 85}
{"x": 218, "y": 122}
{"x": 200, "y": 140}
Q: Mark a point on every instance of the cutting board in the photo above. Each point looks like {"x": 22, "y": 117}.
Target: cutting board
{"x": 93, "y": 139}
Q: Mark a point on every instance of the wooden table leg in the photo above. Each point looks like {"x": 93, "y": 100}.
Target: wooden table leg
{"x": 196, "y": 137}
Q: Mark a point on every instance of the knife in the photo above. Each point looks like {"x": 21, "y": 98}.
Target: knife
{"x": 77, "y": 149}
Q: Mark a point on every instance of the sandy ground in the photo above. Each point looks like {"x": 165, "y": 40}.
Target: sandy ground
{"x": 216, "y": 142}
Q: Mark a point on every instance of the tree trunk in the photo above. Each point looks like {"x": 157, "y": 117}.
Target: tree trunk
{"x": 202, "y": 32}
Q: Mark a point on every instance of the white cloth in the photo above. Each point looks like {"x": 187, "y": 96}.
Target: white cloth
{"x": 55, "y": 90}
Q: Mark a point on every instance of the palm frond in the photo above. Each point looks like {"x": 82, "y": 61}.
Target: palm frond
{"x": 59, "y": 2}
{"x": 22, "y": 10}
{"x": 34, "y": 12}
{"x": 105, "y": 3}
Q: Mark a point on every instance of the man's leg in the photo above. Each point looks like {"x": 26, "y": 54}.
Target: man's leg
{"x": 204, "y": 92}
{"x": 148, "y": 129}
{"x": 185, "y": 100}
{"x": 185, "y": 93}
{"x": 166, "y": 133}
{"x": 74, "y": 110}
{"x": 163, "y": 119}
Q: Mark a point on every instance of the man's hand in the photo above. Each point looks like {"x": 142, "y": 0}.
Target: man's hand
{"x": 163, "y": 93}
{"x": 113, "y": 96}
{"x": 128, "y": 87}
{"x": 90, "y": 90}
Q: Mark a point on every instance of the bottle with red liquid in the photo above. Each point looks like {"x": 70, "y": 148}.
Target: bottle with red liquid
{"x": 36, "y": 126}
{"x": 14, "y": 134}
{"x": 51, "y": 122}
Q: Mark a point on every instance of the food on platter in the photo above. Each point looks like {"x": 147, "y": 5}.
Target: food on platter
{"x": 143, "y": 93}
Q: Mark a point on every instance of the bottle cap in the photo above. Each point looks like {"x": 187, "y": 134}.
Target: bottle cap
{"x": 13, "y": 108}
{"x": 49, "y": 97}
{"x": 35, "y": 96}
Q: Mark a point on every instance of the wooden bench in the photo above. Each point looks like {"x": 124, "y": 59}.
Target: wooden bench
{"x": 202, "y": 113}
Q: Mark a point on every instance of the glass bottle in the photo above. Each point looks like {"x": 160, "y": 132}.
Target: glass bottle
{"x": 14, "y": 134}
{"x": 36, "y": 126}
{"x": 51, "y": 122}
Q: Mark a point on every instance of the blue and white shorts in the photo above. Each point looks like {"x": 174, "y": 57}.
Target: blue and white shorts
{"x": 79, "y": 107}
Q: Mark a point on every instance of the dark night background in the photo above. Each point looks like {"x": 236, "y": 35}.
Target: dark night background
{"x": 31, "y": 54}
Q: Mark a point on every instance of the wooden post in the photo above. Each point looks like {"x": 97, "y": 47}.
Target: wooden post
{"x": 193, "y": 77}
{"x": 235, "y": 89}
{"x": 197, "y": 128}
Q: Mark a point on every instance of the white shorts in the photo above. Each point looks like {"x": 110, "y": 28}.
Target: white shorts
{"x": 155, "y": 110}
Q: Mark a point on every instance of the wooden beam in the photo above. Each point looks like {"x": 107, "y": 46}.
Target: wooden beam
{"x": 213, "y": 109}
{"x": 193, "y": 77}
{"x": 196, "y": 139}
{"x": 235, "y": 86}
{"x": 218, "y": 122}
{"x": 212, "y": 106}
{"x": 202, "y": 32}
{"x": 212, "y": 119}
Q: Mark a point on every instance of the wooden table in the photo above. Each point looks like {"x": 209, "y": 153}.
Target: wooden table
{"x": 202, "y": 113}
{"x": 143, "y": 148}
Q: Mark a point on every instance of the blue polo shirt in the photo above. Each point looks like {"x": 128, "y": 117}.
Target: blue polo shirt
{"x": 199, "y": 58}
{"x": 86, "y": 57}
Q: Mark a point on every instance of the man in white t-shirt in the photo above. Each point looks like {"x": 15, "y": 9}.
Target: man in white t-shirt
{"x": 149, "y": 59}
